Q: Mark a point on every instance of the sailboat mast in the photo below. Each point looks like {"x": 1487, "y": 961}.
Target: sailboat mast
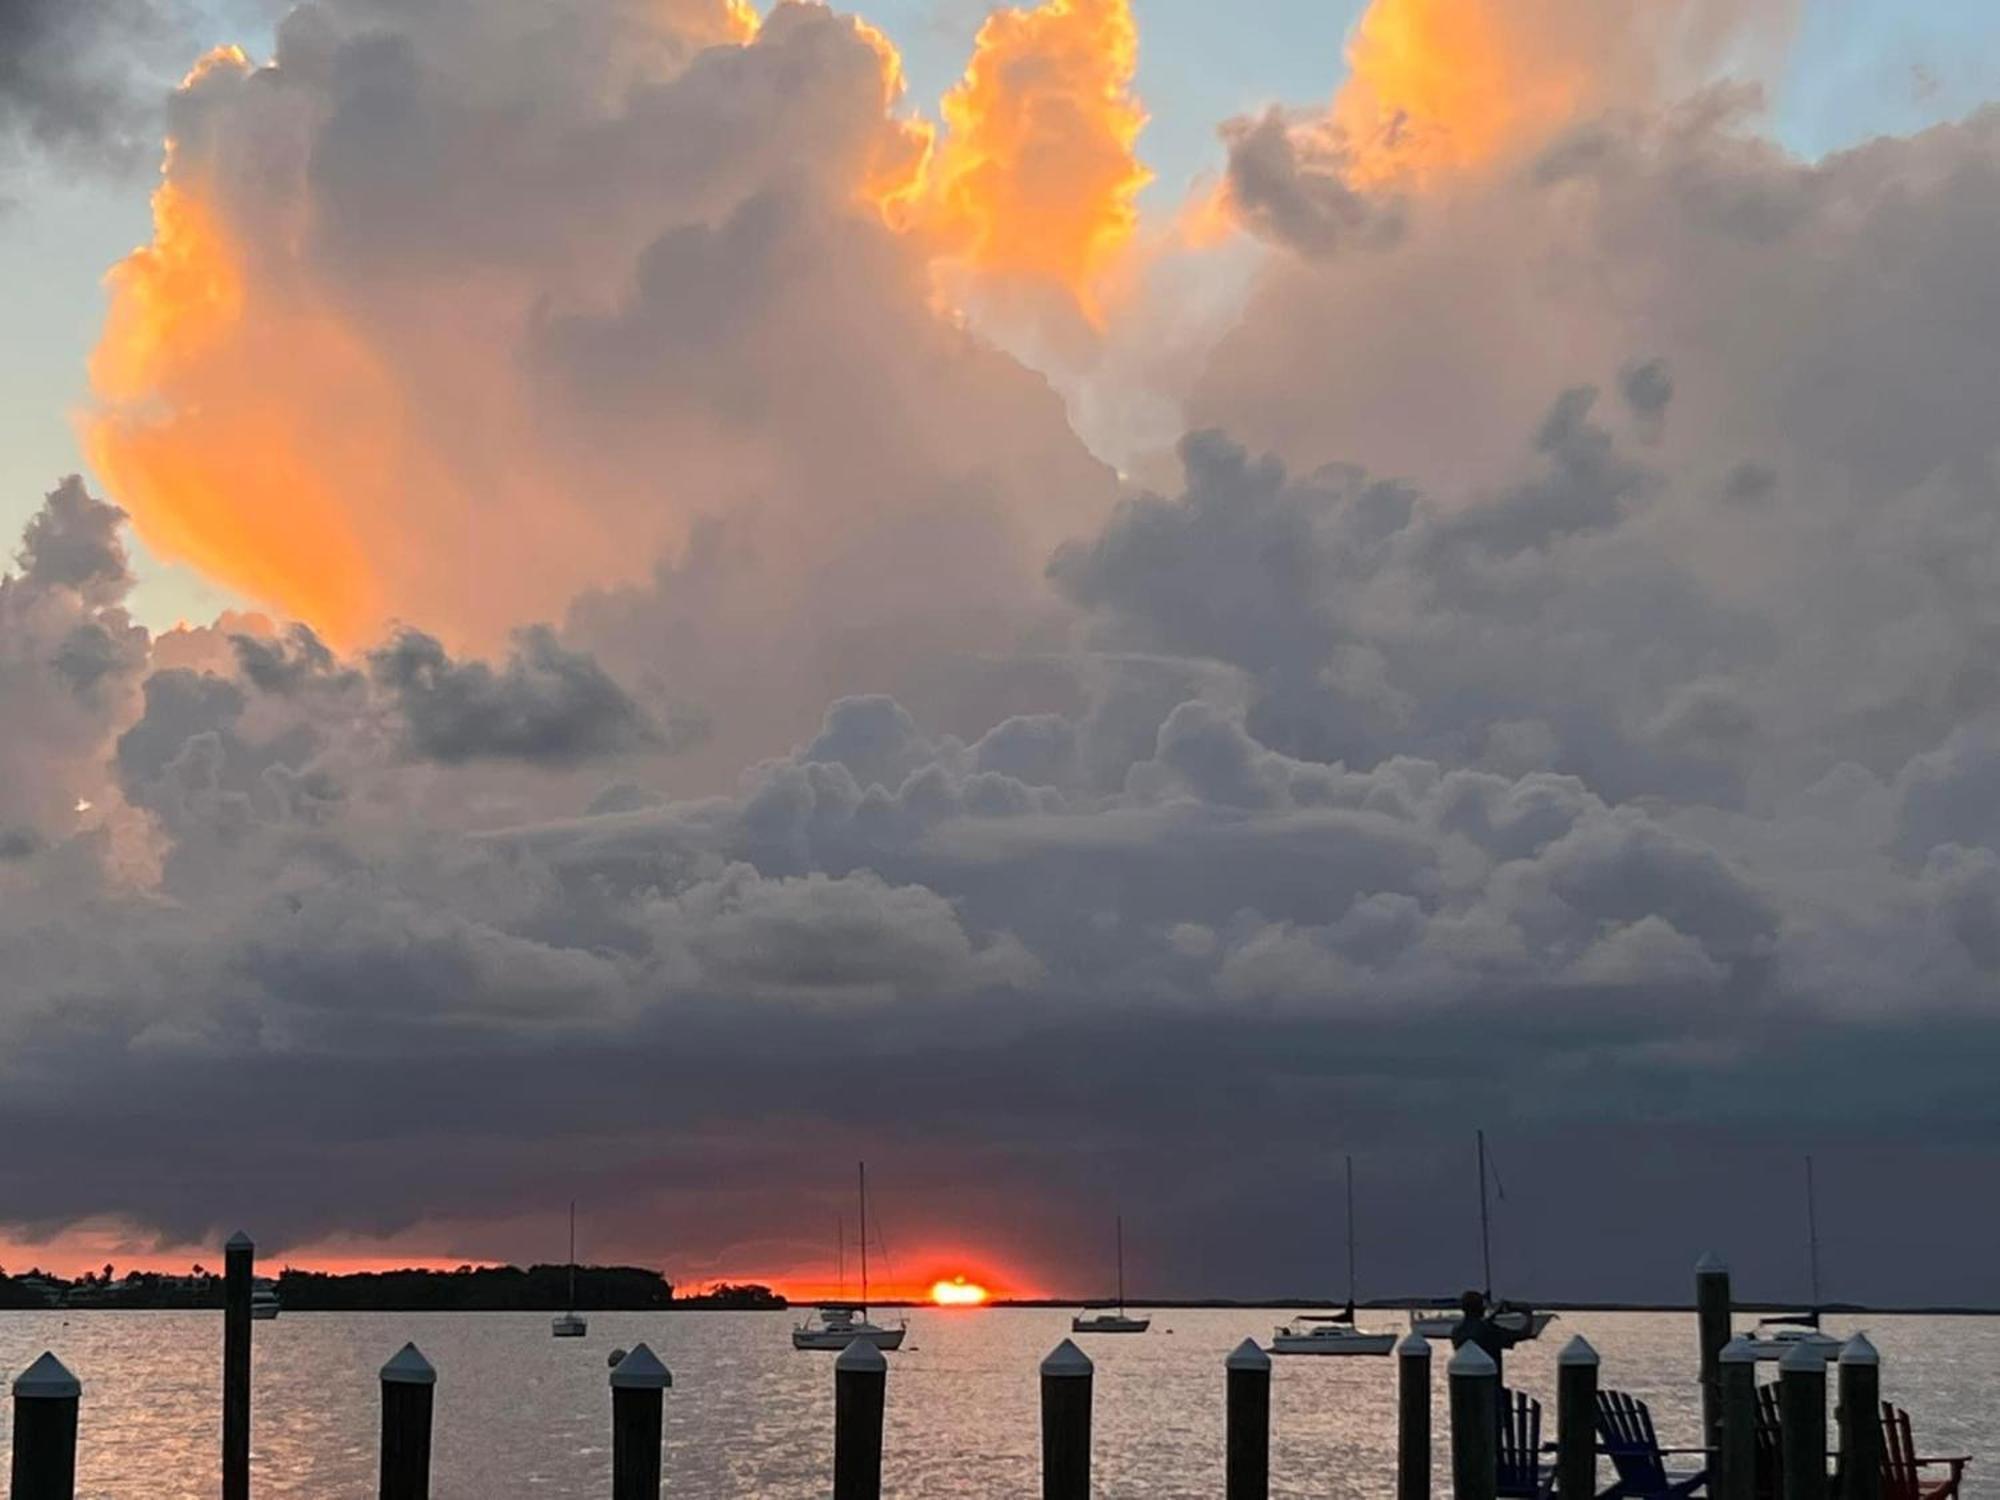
{"x": 1812, "y": 1234}
{"x": 840, "y": 1250}
{"x": 1485, "y": 1223}
{"x": 1121, "y": 1265}
{"x": 1350, "y": 1234}
{"x": 572, "y": 1255}
{"x": 862, "y": 1173}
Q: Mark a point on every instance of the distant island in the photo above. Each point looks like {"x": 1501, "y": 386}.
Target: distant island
{"x": 466, "y": 1289}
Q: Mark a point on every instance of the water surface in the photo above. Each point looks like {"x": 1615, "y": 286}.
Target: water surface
{"x": 522, "y": 1414}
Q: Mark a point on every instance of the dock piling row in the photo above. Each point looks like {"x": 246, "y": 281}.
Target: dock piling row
{"x": 47, "y": 1398}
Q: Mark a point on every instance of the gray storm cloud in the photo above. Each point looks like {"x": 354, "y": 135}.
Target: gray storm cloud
{"x": 1554, "y": 695}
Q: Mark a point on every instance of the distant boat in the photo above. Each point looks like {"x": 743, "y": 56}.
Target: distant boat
{"x": 1438, "y": 1323}
{"x": 1112, "y": 1322}
{"x": 568, "y": 1325}
{"x": 1793, "y": 1330}
{"x": 835, "y": 1325}
{"x": 1333, "y": 1333}
{"x": 264, "y": 1304}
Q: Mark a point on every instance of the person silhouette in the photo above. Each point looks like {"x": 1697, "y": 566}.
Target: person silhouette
{"x": 1476, "y": 1325}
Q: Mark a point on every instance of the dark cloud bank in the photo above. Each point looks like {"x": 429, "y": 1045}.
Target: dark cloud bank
{"x": 1633, "y": 798}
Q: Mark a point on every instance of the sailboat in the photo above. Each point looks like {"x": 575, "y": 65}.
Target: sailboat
{"x": 1434, "y": 1323}
{"x": 835, "y": 1325}
{"x": 1788, "y": 1331}
{"x": 1112, "y": 1322}
{"x": 568, "y": 1325}
{"x": 1333, "y": 1333}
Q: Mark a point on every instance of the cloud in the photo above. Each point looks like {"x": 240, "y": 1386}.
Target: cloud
{"x": 547, "y": 706}
{"x": 1037, "y": 173}
{"x": 81, "y": 83}
{"x": 703, "y": 316}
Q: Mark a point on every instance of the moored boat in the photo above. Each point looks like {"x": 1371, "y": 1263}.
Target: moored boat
{"x": 567, "y": 1325}
{"x": 1333, "y": 1333}
{"x": 1112, "y": 1322}
{"x": 835, "y": 1325}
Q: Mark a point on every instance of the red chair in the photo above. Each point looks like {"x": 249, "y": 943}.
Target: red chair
{"x": 1902, "y": 1470}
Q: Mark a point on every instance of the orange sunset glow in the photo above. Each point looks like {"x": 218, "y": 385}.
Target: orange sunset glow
{"x": 958, "y": 1292}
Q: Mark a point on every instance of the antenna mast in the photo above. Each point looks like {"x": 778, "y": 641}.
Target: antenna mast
{"x": 1350, "y": 1234}
{"x": 1485, "y": 1223}
{"x": 1812, "y": 1233}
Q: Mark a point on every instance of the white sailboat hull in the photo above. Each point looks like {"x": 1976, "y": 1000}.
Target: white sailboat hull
{"x": 1344, "y": 1341}
{"x": 1108, "y": 1323}
{"x": 1438, "y": 1325}
{"x": 568, "y": 1326}
{"x": 836, "y": 1339}
{"x": 1769, "y": 1347}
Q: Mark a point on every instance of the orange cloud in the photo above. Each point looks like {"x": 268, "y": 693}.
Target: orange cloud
{"x": 1439, "y": 86}
{"x": 460, "y": 382}
{"x": 1037, "y": 173}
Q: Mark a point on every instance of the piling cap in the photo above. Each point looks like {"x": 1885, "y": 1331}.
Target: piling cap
{"x": 1711, "y": 1264}
{"x": 1803, "y": 1357}
{"x": 1414, "y": 1346}
{"x": 239, "y": 1241}
{"x": 409, "y": 1367}
{"x": 1858, "y": 1351}
{"x": 1578, "y": 1352}
{"x": 1066, "y": 1362}
{"x": 861, "y": 1357}
{"x": 1738, "y": 1351}
{"x": 1247, "y": 1356}
{"x": 47, "y": 1379}
{"x": 641, "y": 1370}
{"x": 1472, "y": 1361}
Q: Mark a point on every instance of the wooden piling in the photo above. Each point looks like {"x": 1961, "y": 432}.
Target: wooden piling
{"x": 1413, "y": 1418}
{"x": 1576, "y": 1421}
{"x": 1736, "y": 1431}
{"x": 1066, "y": 1382}
{"x": 1802, "y": 1411}
{"x": 408, "y": 1383}
{"x": 636, "y": 1385}
{"x": 1860, "y": 1418}
{"x": 239, "y": 1265}
{"x": 1247, "y": 1470}
{"x": 1474, "y": 1379}
{"x": 46, "y": 1397}
{"x": 1713, "y": 1316}
{"x": 860, "y": 1397}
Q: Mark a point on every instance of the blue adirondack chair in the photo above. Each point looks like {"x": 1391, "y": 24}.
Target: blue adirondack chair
{"x": 1625, "y": 1435}
{"x": 1523, "y": 1476}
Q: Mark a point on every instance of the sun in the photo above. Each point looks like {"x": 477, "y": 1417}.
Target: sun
{"x": 958, "y": 1292}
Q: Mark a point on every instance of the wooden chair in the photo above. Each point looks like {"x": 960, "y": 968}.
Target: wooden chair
{"x": 1625, "y": 1435}
{"x": 1522, "y": 1473}
{"x": 1902, "y": 1470}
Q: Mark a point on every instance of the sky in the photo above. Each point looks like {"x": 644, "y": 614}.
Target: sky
{"x": 1101, "y": 604}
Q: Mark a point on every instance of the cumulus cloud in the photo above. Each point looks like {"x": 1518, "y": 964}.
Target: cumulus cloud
{"x": 547, "y": 706}
{"x": 1552, "y": 691}
{"x": 82, "y": 83}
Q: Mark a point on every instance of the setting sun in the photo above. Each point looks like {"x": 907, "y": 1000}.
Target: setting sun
{"x": 958, "y": 1292}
